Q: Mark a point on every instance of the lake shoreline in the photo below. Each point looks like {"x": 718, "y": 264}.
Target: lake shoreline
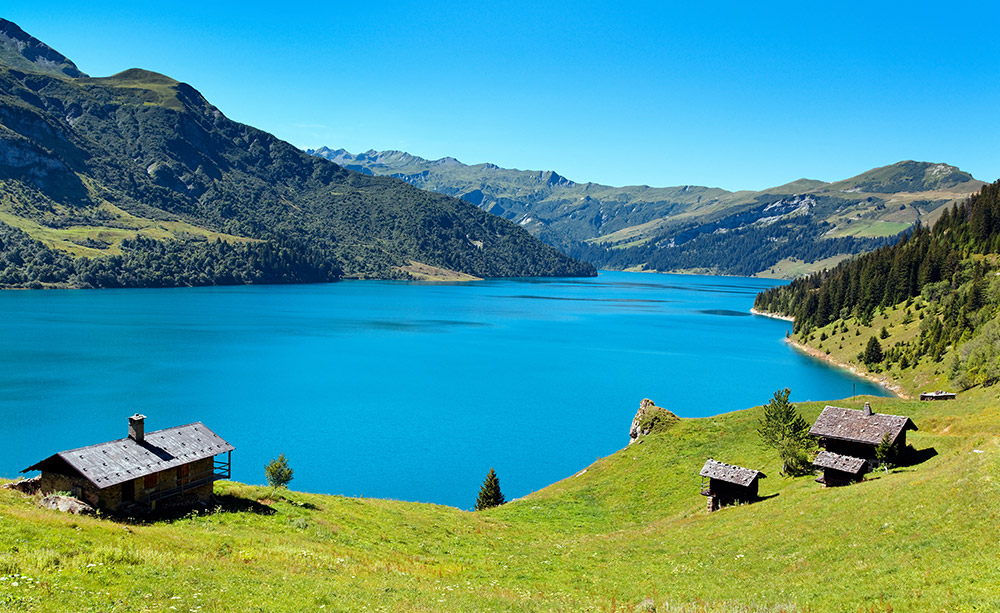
{"x": 437, "y": 355}
{"x": 772, "y": 315}
{"x": 883, "y": 381}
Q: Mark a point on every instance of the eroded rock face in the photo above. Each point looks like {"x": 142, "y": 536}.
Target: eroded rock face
{"x": 648, "y": 418}
{"x": 66, "y": 504}
{"x": 25, "y": 486}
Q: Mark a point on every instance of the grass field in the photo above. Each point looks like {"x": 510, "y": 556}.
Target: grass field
{"x": 126, "y": 226}
{"x": 789, "y": 268}
{"x": 866, "y": 228}
{"x": 632, "y": 526}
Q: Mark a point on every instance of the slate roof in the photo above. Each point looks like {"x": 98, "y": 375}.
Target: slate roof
{"x": 114, "y": 462}
{"x": 729, "y": 473}
{"x": 854, "y": 425}
{"x": 836, "y": 461}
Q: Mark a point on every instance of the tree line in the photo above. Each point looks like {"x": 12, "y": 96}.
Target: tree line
{"x": 944, "y": 275}
{"x": 740, "y": 251}
{"x": 144, "y": 262}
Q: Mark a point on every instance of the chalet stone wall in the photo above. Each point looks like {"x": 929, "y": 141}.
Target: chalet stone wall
{"x": 78, "y": 487}
{"x": 110, "y": 498}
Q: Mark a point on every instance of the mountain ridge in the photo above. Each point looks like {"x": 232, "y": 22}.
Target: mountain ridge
{"x": 672, "y": 228}
{"x": 93, "y": 164}
{"x": 21, "y": 50}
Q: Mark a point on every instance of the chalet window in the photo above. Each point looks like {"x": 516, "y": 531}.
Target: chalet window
{"x": 149, "y": 482}
{"x": 182, "y": 473}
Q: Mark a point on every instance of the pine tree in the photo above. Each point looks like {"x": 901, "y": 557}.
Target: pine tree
{"x": 782, "y": 428}
{"x": 873, "y": 352}
{"x": 490, "y": 494}
{"x": 278, "y": 472}
{"x": 885, "y": 453}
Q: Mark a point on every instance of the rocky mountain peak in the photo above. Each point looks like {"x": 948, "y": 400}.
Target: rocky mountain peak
{"x": 21, "y": 51}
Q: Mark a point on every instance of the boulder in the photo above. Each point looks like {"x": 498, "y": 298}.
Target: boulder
{"x": 66, "y": 504}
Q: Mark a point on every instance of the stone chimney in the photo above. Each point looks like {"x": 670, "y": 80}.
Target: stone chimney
{"x": 867, "y": 410}
{"x": 137, "y": 428}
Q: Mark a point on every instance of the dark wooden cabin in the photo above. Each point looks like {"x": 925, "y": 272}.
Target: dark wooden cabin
{"x": 727, "y": 484}
{"x": 938, "y": 395}
{"x": 166, "y": 468}
{"x": 839, "y": 469}
{"x": 854, "y": 434}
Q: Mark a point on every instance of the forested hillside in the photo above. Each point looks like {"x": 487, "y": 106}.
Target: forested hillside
{"x": 91, "y": 165}
{"x": 943, "y": 281}
{"x": 145, "y": 262}
{"x": 689, "y": 227}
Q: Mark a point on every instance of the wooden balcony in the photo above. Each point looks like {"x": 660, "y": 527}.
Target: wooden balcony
{"x": 220, "y": 470}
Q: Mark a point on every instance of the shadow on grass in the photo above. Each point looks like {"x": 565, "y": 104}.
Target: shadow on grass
{"x": 913, "y": 458}
{"x": 234, "y": 504}
{"x": 768, "y": 497}
{"x": 222, "y": 504}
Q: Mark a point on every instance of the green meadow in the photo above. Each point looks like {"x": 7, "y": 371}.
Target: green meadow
{"x": 628, "y": 533}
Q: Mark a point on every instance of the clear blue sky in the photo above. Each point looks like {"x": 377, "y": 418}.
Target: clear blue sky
{"x": 741, "y": 95}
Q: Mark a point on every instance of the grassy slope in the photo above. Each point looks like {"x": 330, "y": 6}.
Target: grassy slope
{"x": 631, "y": 526}
{"x": 843, "y": 348}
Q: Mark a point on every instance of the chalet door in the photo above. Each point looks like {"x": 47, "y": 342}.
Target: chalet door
{"x": 128, "y": 491}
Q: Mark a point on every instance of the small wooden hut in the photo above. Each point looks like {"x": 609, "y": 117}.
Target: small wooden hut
{"x": 839, "y": 469}
{"x": 938, "y": 395}
{"x": 171, "y": 467}
{"x": 726, "y": 484}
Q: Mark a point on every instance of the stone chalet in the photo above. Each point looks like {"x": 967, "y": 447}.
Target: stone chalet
{"x": 166, "y": 468}
{"x": 848, "y": 438}
{"x": 728, "y": 484}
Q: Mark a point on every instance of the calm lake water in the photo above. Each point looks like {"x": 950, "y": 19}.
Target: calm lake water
{"x": 392, "y": 389}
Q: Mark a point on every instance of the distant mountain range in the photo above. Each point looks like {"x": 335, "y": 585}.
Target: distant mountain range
{"x": 783, "y": 231}
{"x": 136, "y": 179}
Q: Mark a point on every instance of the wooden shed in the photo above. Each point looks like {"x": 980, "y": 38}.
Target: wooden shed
{"x": 857, "y": 432}
{"x": 171, "y": 467}
{"x": 726, "y": 484}
{"x": 839, "y": 469}
{"x": 938, "y": 395}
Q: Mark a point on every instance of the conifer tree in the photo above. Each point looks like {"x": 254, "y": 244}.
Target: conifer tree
{"x": 782, "y": 428}
{"x": 873, "y": 352}
{"x": 278, "y": 472}
{"x": 885, "y": 453}
{"x": 490, "y": 494}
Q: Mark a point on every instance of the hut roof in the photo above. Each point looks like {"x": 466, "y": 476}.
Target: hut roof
{"x": 836, "y": 461}
{"x": 730, "y": 473}
{"x": 937, "y": 394}
{"x": 114, "y": 462}
{"x": 859, "y": 425}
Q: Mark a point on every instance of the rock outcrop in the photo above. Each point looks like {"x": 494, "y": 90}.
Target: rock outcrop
{"x": 25, "y": 486}
{"x": 650, "y": 418}
{"x": 66, "y": 504}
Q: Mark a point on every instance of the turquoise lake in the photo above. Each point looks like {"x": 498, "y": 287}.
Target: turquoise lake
{"x": 392, "y": 389}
